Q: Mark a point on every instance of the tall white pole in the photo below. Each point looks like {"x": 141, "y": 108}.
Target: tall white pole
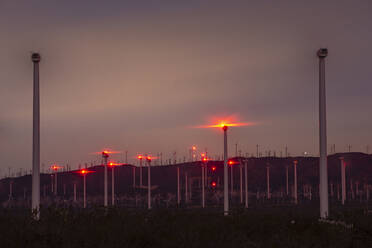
{"x": 343, "y": 181}
{"x": 203, "y": 186}
{"x": 134, "y": 176}
{"x": 231, "y": 181}
{"x": 178, "y": 186}
{"x": 246, "y": 182}
{"x": 268, "y": 182}
{"x": 323, "y": 174}
{"x": 10, "y": 190}
{"x": 74, "y": 192}
{"x": 35, "y": 57}
{"x": 55, "y": 183}
{"x": 149, "y": 185}
{"x": 85, "y": 190}
{"x": 241, "y": 182}
{"x": 295, "y": 181}
{"x": 113, "y": 185}
{"x": 186, "y": 189}
{"x": 105, "y": 196}
{"x": 225, "y": 174}
{"x": 286, "y": 181}
{"x": 140, "y": 173}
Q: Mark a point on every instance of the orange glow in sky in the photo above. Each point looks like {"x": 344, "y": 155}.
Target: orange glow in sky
{"x": 226, "y": 122}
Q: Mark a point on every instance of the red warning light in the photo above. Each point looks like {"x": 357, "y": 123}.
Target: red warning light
{"x": 84, "y": 171}
{"x": 213, "y": 184}
{"x": 113, "y": 164}
{"x": 149, "y": 158}
{"x": 55, "y": 167}
{"x": 140, "y": 157}
{"x": 213, "y": 168}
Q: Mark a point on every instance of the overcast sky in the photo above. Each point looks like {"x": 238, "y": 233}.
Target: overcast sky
{"x": 138, "y": 76}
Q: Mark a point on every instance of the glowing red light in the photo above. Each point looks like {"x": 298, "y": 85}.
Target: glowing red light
{"x": 112, "y": 164}
{"x": 226, "y": 122}
{"x": 84, "y": 171}
{"x": 55, "y": 167}
{"x": 140, "y": 157}
{"x": 106, "y": 152}
{"x": 214, "y": 184}
{"x": 194, "y": 148}
{"x": 213, "y": 168}
{"x": 205, "y": 159}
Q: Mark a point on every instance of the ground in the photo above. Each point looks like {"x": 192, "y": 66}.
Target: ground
{"x": 285, "y": 226}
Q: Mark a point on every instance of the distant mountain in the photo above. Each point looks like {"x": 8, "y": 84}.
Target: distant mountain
{"x": 164, "y": 178}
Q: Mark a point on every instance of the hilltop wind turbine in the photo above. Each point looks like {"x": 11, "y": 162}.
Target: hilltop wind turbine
{"x": 149, "y": 158}
{"x": 84, "y": 172}
{"x": 204, "y": 168}
{"x": 343, "y": 180}
{"x": 55, "y": 168}
{"x": 295, "y": 181}
{"x": 35, "y": 205}
{"x": 268, "y": 181}
{"x": 112, "y": 166}
{"x": 246, "y": 182}
{"x": 323, "y": 174}
{"x": 224, "y": 126}
{"x": 140, "y": 158}
{"x": 105, "y": 155}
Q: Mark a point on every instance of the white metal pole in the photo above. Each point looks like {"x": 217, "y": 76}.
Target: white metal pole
{"x": 85, "y": 191}
{"x": 149, "y": 185}
{"x": 343, "y": 181}
{"x": 105, "y": 200}
{"x": 323, "y": 174}
{"x": 113, "y": 185}
{"x": 186, "y": 189}
{"x": 134, "y": 176}
{"x": 225, "y": 174}
{"x": 203, "y": 186}
{"x": 268, "y": 182}
{"x": 231, "y": 181}
{"x": 36, "y": 139}
{"x": 74, "y": 192}
{"x": 55, "y": 183}
{"x": 295, "y": 181}
{"x": 286, "y": 181}
{"x": 10, "y": 190}
{"x": 178, "y": 186}
{"x": 140, "y": 172}
{"x": 241, "y": 182}
{"x": 246, "y": 183}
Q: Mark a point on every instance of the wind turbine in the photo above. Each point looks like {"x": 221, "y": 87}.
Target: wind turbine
{"x": 105, "y": 155}
{"x": 112, "y": 166}
{"x": 149, "y": 159}
{"x": 84, "y": 172}
{"x": 323, "y": 168}
{"x": 224, "y": 125}
{"x": 55, "y": 168}
{"x": 35, "y": 204}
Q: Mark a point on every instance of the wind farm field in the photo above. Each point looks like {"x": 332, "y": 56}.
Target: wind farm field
{"x": 259, "y": 226}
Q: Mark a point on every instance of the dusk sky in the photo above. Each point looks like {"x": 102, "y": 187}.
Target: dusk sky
{"x": 140, "y": 75}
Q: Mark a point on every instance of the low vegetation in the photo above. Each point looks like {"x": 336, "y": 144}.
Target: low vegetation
{"x": 118, "y": 227}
